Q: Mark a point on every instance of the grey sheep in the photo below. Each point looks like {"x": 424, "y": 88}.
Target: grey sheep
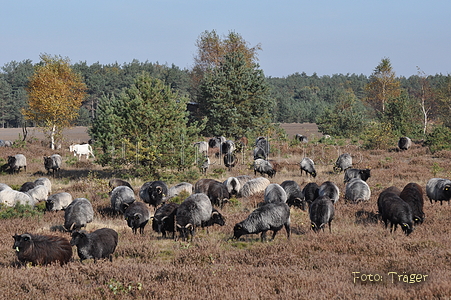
{"x": 357, "y": 190}
{"x": 234, "y": 184}
{"x": 98, "y": 244}
{"x": 321, "y": 212}
{"x": 363, "y": 174}
{"x": 216, "y": 218}
{"x": 17, "y": 162}
{"x": 58, "y": 201}
{"x": 271, "y": 216}
{"x": 42, "y": 249}
{"x": 253, "y": 187}
{"x": 45, "y": 182}
{"x": 180, "y": 188}
{"x": 53, "y": 163}
{"x": 295, "y": 197}
{"x": 259, "y": 153}
{"x": 192, "y": 212}
{"x": 10, "y": 197}
{"x": 404, "y": 143}
{"x": 438, "y": 189}
{"x": 164, "y": 218}
{"x": 329, "y": 189}
{"x": 202, "y": 185}
{"x": 227, "y": 146}
{"x": 202, "y": 147}
{"x": 137, "y": 216}
{"x": 263, "y": 167}
{"x": 310, "y": 192}
{"x": 262, "y": 143}
{"x": 396, "y": 211}
{"x": 205, "y": 165}
{"x": 6, "y": 143}
{"x": 308, "y": 166}
{"x": 121, "y": 197}
{"x": 78, "y": 214}
{"x": 412, "y": 193}
{"x": 344, "y": 161}
{"x": 39, "y": 193}
{"x": 275, "y": 193}
{"x": 115, "y": 182}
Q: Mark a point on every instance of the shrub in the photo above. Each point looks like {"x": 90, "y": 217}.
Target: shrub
{"x": 439, "y": 139}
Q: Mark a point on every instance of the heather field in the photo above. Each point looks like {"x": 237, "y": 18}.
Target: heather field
{"x": 359, "y": 259}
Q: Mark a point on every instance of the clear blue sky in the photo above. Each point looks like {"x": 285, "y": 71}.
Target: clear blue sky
{"x": 326, "y": 37}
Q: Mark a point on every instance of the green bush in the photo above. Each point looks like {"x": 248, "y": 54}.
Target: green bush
{"x": 439, "y": 139}
{"x": 20, "y": 211}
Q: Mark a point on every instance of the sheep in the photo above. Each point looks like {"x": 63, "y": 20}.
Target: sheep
{"x": 234, "y": 184}
{"x": 404, "y": 143}
{"x": 344, "y": 161}
{"x": 230, "y": 161}
{"x": 121, "y": 197}
{"x": 42, "y": 249}
{"x": 98, "y": 244}
{"x": 17, "y": 162}
{"x": 295, "y": 197}
{"x": 264, "y": 167}
{"x": 308, "y": 166}
{"x": 6, "y": 143}
{"x": 39, "y": 193}
{"x": 53, "y": 163}
{"x": 10, "y": 198}
{"x": 321, "y": 212}
{"x": 154, "y": 193}
{"x": 381, "y": 198}
{"x": 413, "y": 195}
{"x": 205, "y": 165}
{"x": 357, "y": 190}
{"x": 329, "y": 189}
{"x": 78, "y": 214}
{"x": 115, "y": 182}
{"x": 301, "y": 138}
{"x": 58, "y": 201}
{"x": 27, "y": 186}
{"x": 311, "y": 192}
{"x": 137, "y": 216}
{"x": 275, "y": 193}
{"x": 396, "y": 211}
{"x": 218, "y": 194}
{"x": 259, "y": 153}
{"x": 363, "y": 174}
{"x": 202, "y": 147}
{"x": 191, "y": 213}
{"x": 253, "y": 187}
{"x": 228, "y": 147}
{"x": 45, "y": 182}
{"x": 202, "y": 185}
{"x": 4, "y": 186}
{"x": 271, "y": 216}
{"x": 179, "y": 188}
{"x": 164, "y": 218}
{"x": 216, "y": 142}
{"x": 216, "y": 218}
{"x": 262, "y": 143}
{"x": 438, "y": 189}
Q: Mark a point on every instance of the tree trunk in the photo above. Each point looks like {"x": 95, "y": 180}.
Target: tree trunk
{"x": 52, "y": 138}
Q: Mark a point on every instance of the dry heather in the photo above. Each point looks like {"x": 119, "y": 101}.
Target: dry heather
{"x": 309, "y": 266}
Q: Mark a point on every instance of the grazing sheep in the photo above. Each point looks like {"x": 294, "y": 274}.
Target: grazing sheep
{"x": 264, "y": 167}
{"x": 230, "y": 161}
{"x": 53, "y": 163}
{"x": 27, "y": 186}
{"x": 253, "y": 187}
{"x": 42, "y": 249}
{"x": 39, "y": 193}
{"x": 363, "y": 174}
{"x": 271, "y": 216}
{"x": 329, "y": 189}
{"x": 275, "y": 193}
{"x": 295, "y": 197}
{"x": 396, "y": 211}
{"x": 179, "y": 188}
{"x": 78, "y": 214}
{"x": 218, "y": 194}
{"x": 164, "y": 218}
{"x": 344, "y": 161}
{"x": 311, "y": 192}
{"x": 154, "y": 193}
{"x": 234, "y": 184}
{"x": 45, "y": 182}
{"x": 6, "y": 143}
{"x": 202, "y": 147}
{"x": 216, "y": 218}
{"x": 193, "y": 212}
{"x": 10, "y": 198}
{"x": 413, "y": 195}
{"x": 404, "y": 143}
{"x": 137, "y": 216}
{"x": 357, "y": 190}
{"x": 98, "y": 244}
{"x": 17, "y": 162}
{"x": 438, "y": 189}
{"x": 308, "y": 166}
{"x": 321, "y": 212}
{"x": 115, "y": 182}
{"x": 121, "y": 197}
{"x": 4, "y": 186}
{"x": 58, "y": 201}
{"x": 381, "y": 198}
{"x": 202, "y": 185}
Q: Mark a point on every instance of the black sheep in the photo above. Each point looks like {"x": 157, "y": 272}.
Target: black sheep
{"x": 413, "y": 195}
{"x": 164, "y": 218}
{"x": 396, "y": 211}
{"x": 321, "y": 212}
{"x": 97, "y": 245}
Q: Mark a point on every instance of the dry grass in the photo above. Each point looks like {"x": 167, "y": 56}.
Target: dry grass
{"x": 309, "y": 266}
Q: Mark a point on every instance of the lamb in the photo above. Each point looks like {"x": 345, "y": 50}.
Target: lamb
{"x": 275, "y": 193}
{"x": 344, "y": 161}
{"x": 115, "y": 182}
{"x": 357, "y": 190}
{"x": 78, "y": 214}
{"x": 396, "y": 211}
{"x": 17, "y": 162}
{"x": 264, "y": 167}
{"x": 53, "y": 163}
{"x": 413, "y": 195}
{"x": 58, "y": 201}
{"x": 363, "y": 174}
{"x": 404, "y": 143}
{"x": 321, "y": 212}
{"x": 46, "y": 182}
{"x": 154, "y": 193}
{"x": 234, "y": 184}
{"x": 164, "y": 218}
{"x": 137, "y": 216}
{"x": 121, "y": 197}
{"x": 42, "y": 249}
{"x": 438, "y": 189}
{"x": 308, "y": 166}
{"x": 329, "y": 189}
{"x": 271, "y": 216}
{"x": 192, "y": 212}
{"x": 311, "y": 192}
{"x": 98, "y": 244}
{"x": 253, "y": 187}
{"x": 295, "y": 197}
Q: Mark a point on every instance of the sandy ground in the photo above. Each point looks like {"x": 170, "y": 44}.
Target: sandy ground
{"x": 76, "y": 134}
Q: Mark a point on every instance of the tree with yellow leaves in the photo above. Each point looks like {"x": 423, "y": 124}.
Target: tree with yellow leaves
{"x": 55, "y": 95}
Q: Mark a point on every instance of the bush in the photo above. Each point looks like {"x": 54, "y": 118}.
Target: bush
{"x": 439, "y": 139}
{"x": 379, "y": 136}
{"x": 20, "y": 211}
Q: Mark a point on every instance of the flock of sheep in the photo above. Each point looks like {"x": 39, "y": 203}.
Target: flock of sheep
{"x": 200, "y": 208}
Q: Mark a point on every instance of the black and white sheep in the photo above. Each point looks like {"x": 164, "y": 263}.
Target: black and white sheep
{"x": 254, "y": 186}
{"x": 363, "y": 174}
{"x": 321, "y": 212}
{"x": 137, "y": 216}
{"x": 301, "y": 138}
{"x": 329, "y": 189}
{"x": 202, "y": 147}
{"x": 193, "y": 212}
{"x": 216, "y": 142}
{"x": 228, "y": 147}
{"x": 98, "y": 244}
{"x": 311, "y": 192}
{"x": 17, "y": 162}
{"x": 438, "y": 189}
{"x": 396, "y": 211}
{"x": 154, "y": 193}
{"x": 343, "y": 162}
{"x": 121, "y": 197}
{"x": 295, "y": 197}
{"x": 275, "y": 193}
{"x": 308, "y": 166}
{"x": 262, "y": 143}
{"x": 164, "y": 218}
{"x": 264, "y": 167}
{"x": 404, "y": 143}
{"x": 413, "y": 195}
{"x": 271, "y": 216}
{"x": 42, "y": 249}
{"x": 234, "y": 184}
{"x": 357, "y": 190}
{"x": 53, "y": 163}
{"x": 58, "y": 201}
{"x": 115, "y": 182}
{"x": 205, "y": 165}
{"x": 78, "y": 214}
{"x": 230, "y": 160}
